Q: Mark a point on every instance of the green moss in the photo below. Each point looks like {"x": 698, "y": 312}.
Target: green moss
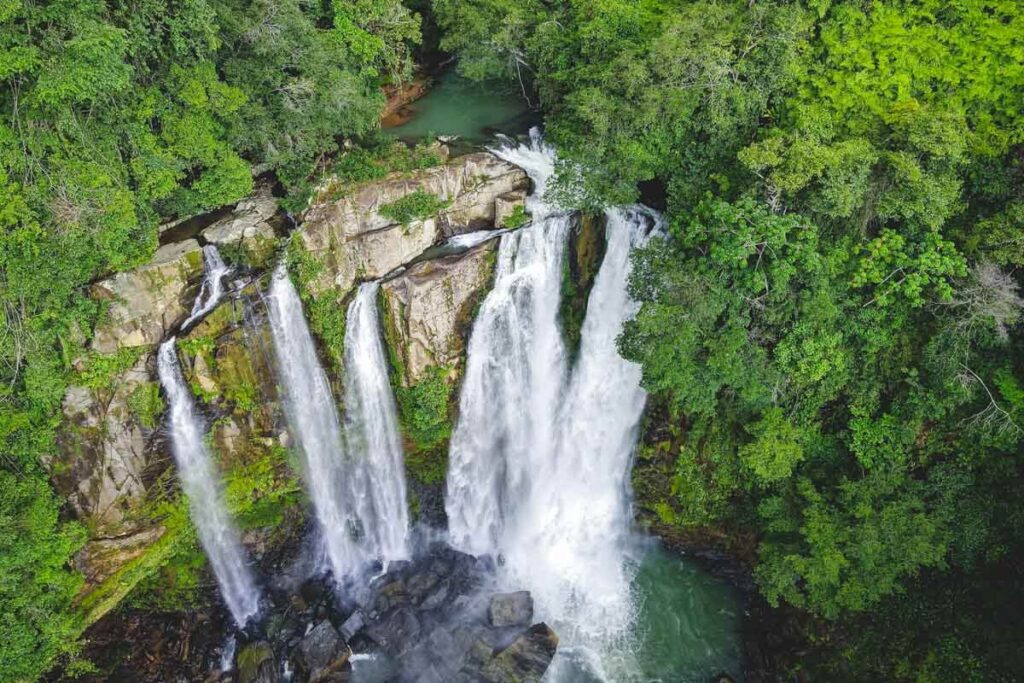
{"x": 413, "y": 206}
{"x": 579, "y": 268}
{"x": 147, "y": 405}
{"x": 517, "y": 219}
{"x": 325, "y": 313}
{"x": 424, "y": 409}
{"x": 100, "y": 369}
{"x": 136, "y": 573}
{"x": 244, "y": 395}
{"x": 199, "y": 344}
{"x": 259, "y": 491}
{"x": 428, "y": 467}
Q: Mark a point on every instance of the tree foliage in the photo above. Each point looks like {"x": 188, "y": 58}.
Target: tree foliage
{"x": 114, "y": 116}
{"x": 833, "y": 321}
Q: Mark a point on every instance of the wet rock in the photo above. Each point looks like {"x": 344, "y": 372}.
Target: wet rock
{"x": 353, "y": 625}
{"x": 255, "y": 663}
{"x": 144, "y": 303}
{"x": 436, "y": 598}
{"x": 525, "y": 660}
{"x": 510, "y": 609}
{"x": 396, "y": 633}
{"x": 391, "y": 595}
{"x": 429, "y": 308}
{"x": 323, "y": 653}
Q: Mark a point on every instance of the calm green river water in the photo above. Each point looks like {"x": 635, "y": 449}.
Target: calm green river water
{"x": 472, "y": 111}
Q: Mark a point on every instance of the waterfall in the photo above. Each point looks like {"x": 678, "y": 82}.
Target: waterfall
{"x": 202, "y": 486}
{"x": 372, "y": 431}
{"x": 515, "y": 370}
{"x": 212, "y": 289}
{"x": 358, "y": 491}
{"x": 309, "y": 405}
{"x": 540, "y": 459}
{"x": 572, "y": 530}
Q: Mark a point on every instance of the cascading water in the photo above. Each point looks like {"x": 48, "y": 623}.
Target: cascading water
{"x": 356, "y": 481}
{"x": 202, "y": 485}
{"x": 540, "y": 458}
{"x": 378, "y": 480}
{"x": 212, "y": 289}
{"x": 514, "y": 376}
{"x": 311, "y": 412}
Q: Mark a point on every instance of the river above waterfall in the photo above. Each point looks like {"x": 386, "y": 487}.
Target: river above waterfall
{"x": 456, "y": 106}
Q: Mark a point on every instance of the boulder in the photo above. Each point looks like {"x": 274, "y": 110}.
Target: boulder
{"x": 510, "y": 609}
{"x": 100, "y": 559}
{"x": 397, "y": 632}
{"x": 145, "y": 303}
{"x": 323, "y": 653}
{"x": 429, "y": 308}
{"x": 525, "y": 660}
{"x": 353, "y": 625}
{"x": 247, "y": 228}
{"x": 349, "y": 238}
{"x": 505, "y": 205}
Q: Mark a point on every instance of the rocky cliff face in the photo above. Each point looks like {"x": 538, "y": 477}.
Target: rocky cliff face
{"x": 351, "y": 240}
{"x": 116, "y": 469}
{"x": 430, "y": 306}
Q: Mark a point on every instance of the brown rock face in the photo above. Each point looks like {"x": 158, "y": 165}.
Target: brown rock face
{"x": 430, "y": 306}
{"x": 352, "y": 241}
{"x": 143, "y": 304}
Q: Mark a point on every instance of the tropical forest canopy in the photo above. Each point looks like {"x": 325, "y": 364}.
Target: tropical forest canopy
{"x": 830, "y": 331}
{"x": 833, "y": 324}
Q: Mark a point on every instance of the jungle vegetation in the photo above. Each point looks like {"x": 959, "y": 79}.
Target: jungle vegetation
{"x": 833, "y": 324}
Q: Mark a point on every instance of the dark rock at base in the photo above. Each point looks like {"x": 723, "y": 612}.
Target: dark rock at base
{"x": 323, "y": 654}
{"x": 510, "y": 609}
{"x": 353, "y": 625}
{"x": 396, "y": 633}
{"x": 525, "y": 660}
{"x": 255, "y": 663}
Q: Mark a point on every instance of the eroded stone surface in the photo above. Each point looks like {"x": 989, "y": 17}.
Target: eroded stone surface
{"x": 350, "y": 240}
{"x": 103, "y": 450}
{"x": 247, "y": 228}
{"x": 145, "y": 303}
{"x": 430, "y": 306}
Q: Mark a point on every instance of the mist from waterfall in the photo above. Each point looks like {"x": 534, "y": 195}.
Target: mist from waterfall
{"x": 355, "y": 476}
{"x": 378, "y": 481}
{"x": 202, "y": 485}
{"x": 540, "y": 458}
{"x": 515, "y": 372}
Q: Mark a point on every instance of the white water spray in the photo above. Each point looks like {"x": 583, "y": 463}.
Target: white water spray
{"x": 378, "y": 478}
{"x": 515, "y": 372}
{"x": 212, "y": 289}
{"x": 202, "y": 485}
{"x": 313, "y": 418}
{"x": 540, "y": 458}
{"x": 356, "y": 484}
